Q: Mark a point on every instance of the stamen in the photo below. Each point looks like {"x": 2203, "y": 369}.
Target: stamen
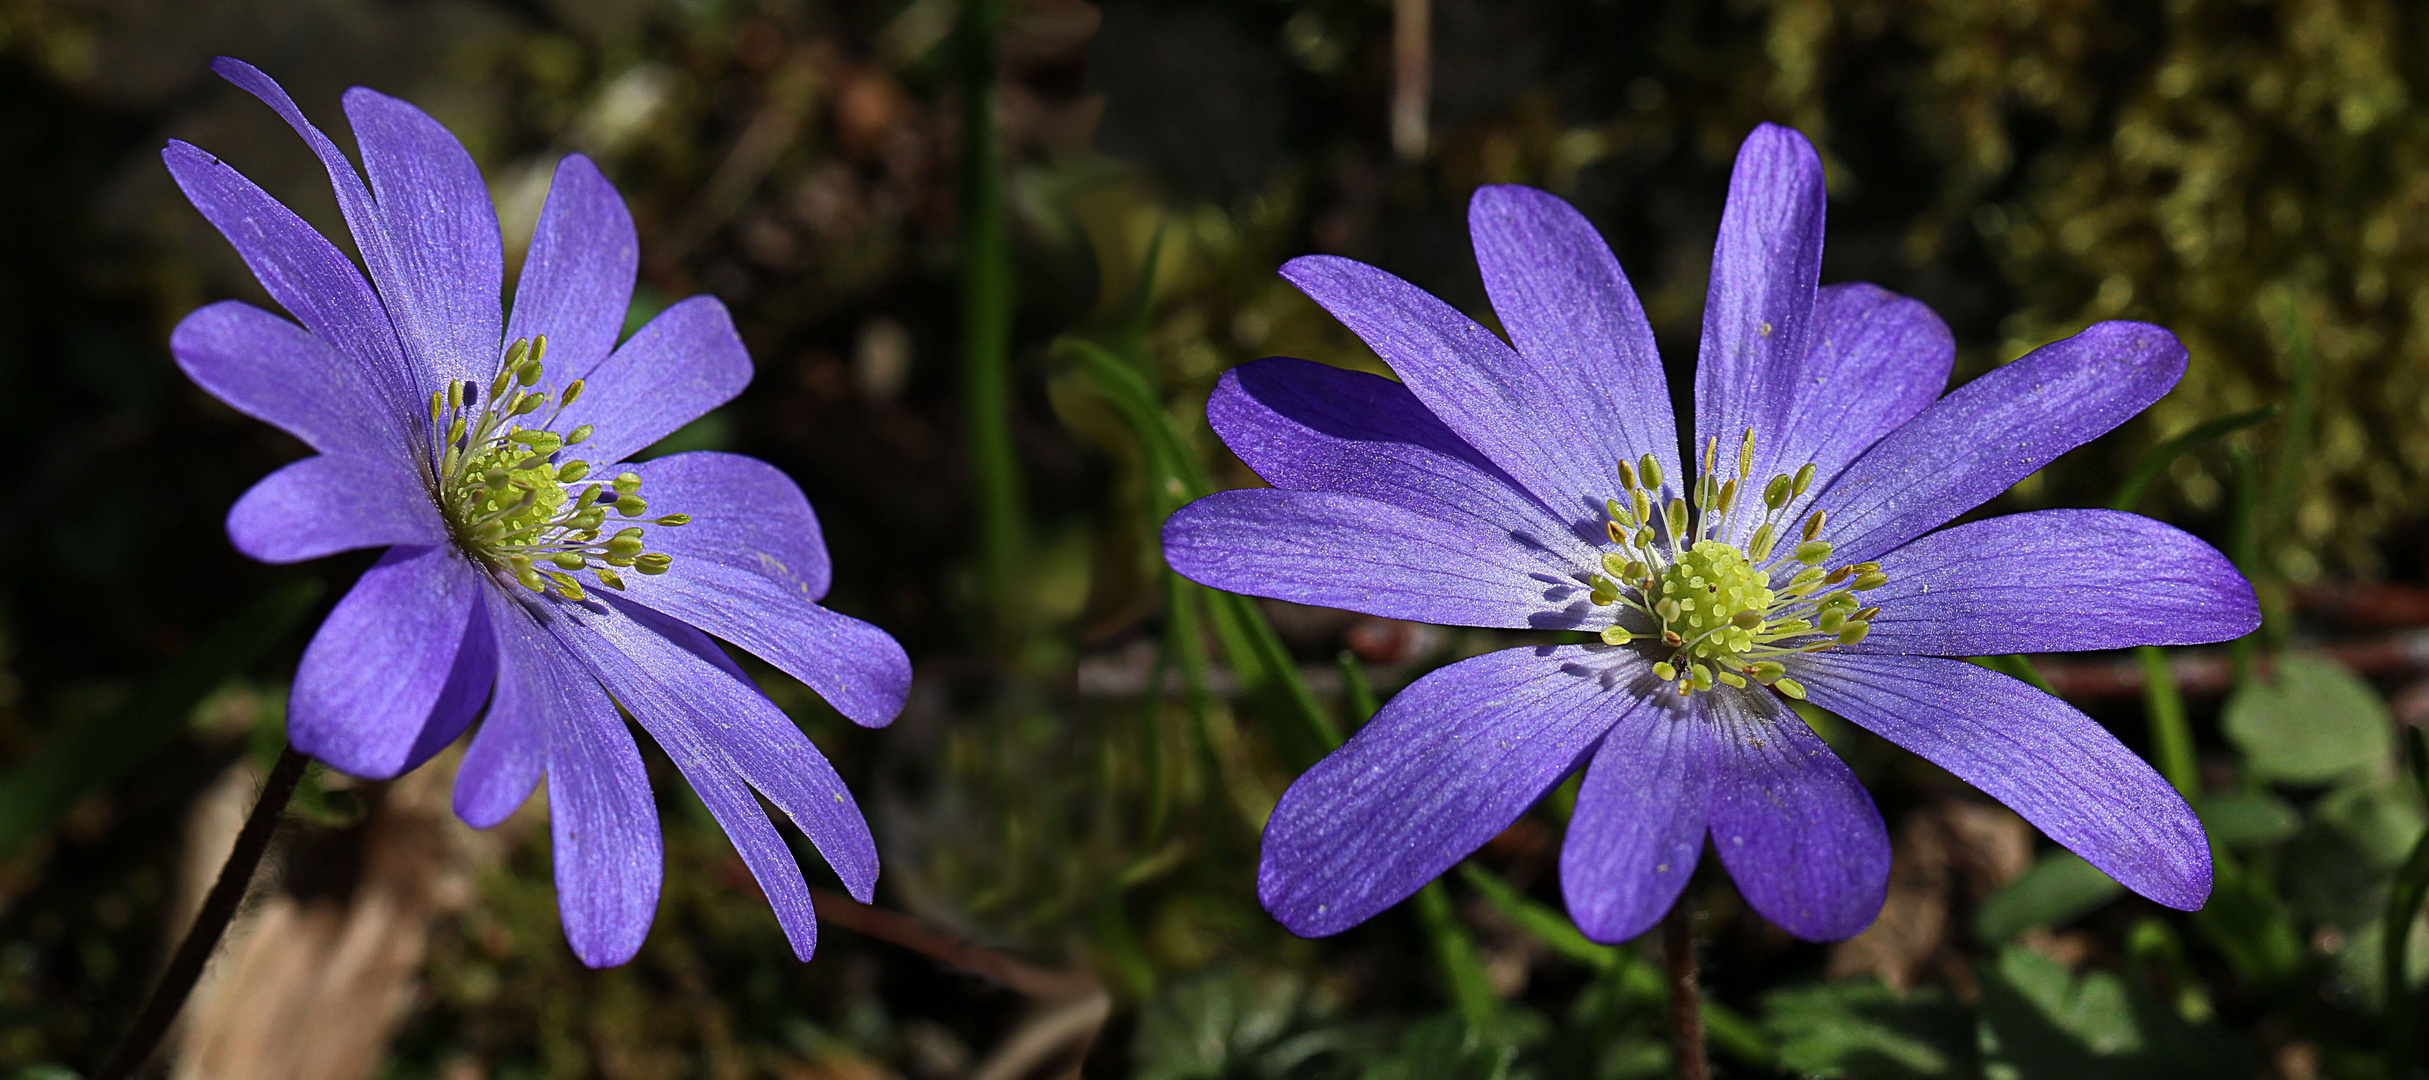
{"x": 1717, "y": 615}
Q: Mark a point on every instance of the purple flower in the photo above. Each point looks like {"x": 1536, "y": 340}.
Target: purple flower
{"x": 530, "y": 565}
{"x": 1538, "y": 484}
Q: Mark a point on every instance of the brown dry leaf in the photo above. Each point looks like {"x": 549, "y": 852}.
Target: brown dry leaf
{"x": 314, "y": 989}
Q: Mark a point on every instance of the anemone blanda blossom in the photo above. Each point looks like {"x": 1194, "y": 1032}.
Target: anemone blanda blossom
{"x": 530, "y": 566}
{"x": 1538, "y": 484}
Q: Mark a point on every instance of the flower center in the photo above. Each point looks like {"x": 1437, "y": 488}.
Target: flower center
{"x": 1712, "y": 604}
{"x": 511, "y": 503}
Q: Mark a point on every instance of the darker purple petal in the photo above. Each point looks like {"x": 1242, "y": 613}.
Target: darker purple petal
{"x": 1973, "y": 444}
{"x": 275, "y": 371}
{"x": 1758, "y": 308}
{"x": 2039, "y": 755}
{"x": 1314, "y": 547}
{"x": 1638, "y": 828}
{"x": 687, "y": 361}
{"x": 578, "y": 279}
{"x": 1445, "y": 766}
{"x": 1578, "y": 327}
{"x": 448, "y": 260}
{"x": 1797, "y": 831}
{"x": 331, "y": 503}
{"x": 373, "y": 675}
{"x": 1311, "y": 427}
{"x": 2054, "y": 581}
{"x": 1480, "y": 389}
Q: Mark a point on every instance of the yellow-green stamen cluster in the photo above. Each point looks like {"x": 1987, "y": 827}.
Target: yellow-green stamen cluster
{"x": 1714, "y": 604}
{"x": 508, "y": 500}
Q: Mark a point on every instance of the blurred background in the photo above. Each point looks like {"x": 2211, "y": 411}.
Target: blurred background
{"x": 1069, "y": 808}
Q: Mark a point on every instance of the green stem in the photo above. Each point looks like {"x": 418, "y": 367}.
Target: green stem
{"x": 2395, "y": 945}
{"x": 2244, "y": 651}
{"x": 1358, "y": 701}
{"x": 1455, "y": 957}
{"x": 1686, "y": 996}
{"x": 1740, "y": 1038}
{"x": 986, "y": 325}
{"x": 2171, "y": 733}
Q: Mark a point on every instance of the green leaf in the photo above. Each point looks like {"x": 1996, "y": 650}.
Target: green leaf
{"x": 2058, "y": 889}
{"x": 1215, "y": 1024}
{"x": 1861, "y": 1028}
{"x": 2039, "y": 1019}
{"x": 97, "y": 753}
{"x": 2337, "y": 869}
{"x": 2249, "y": 818}
{"x": 2313, "y": 723}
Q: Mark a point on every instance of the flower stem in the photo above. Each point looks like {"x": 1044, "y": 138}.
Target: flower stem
{"x": 218, "y": 907}
{"x": 1686, "y": 999}
{"x": 986, "y": 310}
{"x": 2171, "y": 733}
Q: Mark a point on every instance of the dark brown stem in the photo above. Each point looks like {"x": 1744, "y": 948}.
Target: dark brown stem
{"x": 235, "y": 877}
{"x": 919, "y": 937}
{"x": 1686, "y": 999}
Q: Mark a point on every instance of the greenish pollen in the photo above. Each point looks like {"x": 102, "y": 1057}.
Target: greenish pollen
{"x": 1716, "y": 606}
{"x": 510, "y": 501}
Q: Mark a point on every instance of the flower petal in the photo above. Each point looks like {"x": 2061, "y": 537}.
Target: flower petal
{"x": 331, "y": 503}
{"x": 1312, "y": 427}
{"x": 469, "y": 681}
{"x": 2053, "y": 581}
{"x": 1795, "y": 828}
{"x": 1577, "y": 324}
{"x": 610, "y": 859}
{"x": 1639, "y": 824}
{"x": 1446, "y": 765}
{"x": 1973, "y": 444}
{"x": 1519, "y": 417}
{"x": 2039, "y": 755}
{"x": 1316, "y": 547}
{"x": 747, "y": 517}
{"x": 370, "y": 680}
{"x": 509, "y": 753}
{"x": 448, "y": 258}
{"x": 710, "y": 717}
{"x": 1876, "y": 359}
{"x": 687, "y": 361}
{"x": 578, "y": 279}
{"x": 1758, "y": 308}
{"x": 745, "y": 570}
{"x": 306, "y": 274}
{"x": 275, "y": 371}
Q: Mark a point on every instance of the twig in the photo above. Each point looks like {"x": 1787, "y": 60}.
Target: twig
{"x": 219, "y": 906}
{"x": 1686, "y": 998}
{"x": 919, "y": 937}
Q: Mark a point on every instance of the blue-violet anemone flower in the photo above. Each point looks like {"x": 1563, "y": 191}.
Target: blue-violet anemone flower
{"x": 1539, "y": 485}
{"x": 531, "y": 566}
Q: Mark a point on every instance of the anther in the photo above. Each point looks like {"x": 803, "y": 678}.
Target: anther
{"x": 1812, "y": 551}
{"x": 1775, "y": 493}
{"x": 1627, "y": 476}
{"x": 1614, "y": 635}
{"x": 1804, "y": 478}
{"x": 578, "y": 435}
{"x": 1790, "y": 687}
{"x": 1813, "y": 525}
{"x": 1649, "y": 471}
